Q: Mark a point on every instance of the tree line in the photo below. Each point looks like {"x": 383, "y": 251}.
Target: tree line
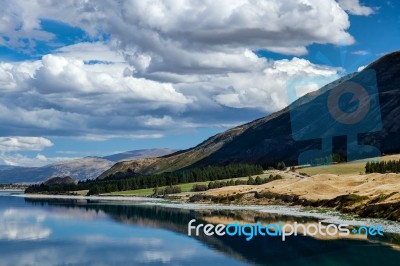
{"x": 382, "y": 167}
{"x": 133, "y": 182}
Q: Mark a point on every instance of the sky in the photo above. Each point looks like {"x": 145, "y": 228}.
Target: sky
{"x": 93, "y": 78}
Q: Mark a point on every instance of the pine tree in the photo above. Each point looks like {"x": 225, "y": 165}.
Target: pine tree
{"x": 369, "y": 167}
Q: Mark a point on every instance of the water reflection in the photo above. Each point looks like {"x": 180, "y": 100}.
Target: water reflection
{"x": 83, "y": 235}
{"x": 298, "y": 250}
{"x": 18, "y": 225}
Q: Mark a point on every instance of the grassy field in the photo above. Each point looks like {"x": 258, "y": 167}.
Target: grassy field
{"x": 343, "y": 168}
{"x": 184, "y": 187}
{"x": 149, "y": 191}
{"x": 139, "y": 192}
{"x": 338, "y": 169}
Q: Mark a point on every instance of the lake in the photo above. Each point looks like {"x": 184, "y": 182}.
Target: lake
{"x": 98, "y": 232}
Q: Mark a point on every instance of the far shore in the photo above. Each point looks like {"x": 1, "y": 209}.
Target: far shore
{"x": 11, "y": 190}
{"x": 103, "y": 197}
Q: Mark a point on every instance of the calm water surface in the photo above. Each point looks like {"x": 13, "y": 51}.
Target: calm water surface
{"x": 81, "y": 232}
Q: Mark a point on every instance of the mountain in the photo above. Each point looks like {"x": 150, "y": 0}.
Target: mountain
{"x": 79, "y": 169}
{"x": 269, "y": 140}
{"x": 55, "y": 181}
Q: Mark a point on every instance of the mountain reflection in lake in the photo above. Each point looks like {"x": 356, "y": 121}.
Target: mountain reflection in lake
{"x": 71, "y": 232}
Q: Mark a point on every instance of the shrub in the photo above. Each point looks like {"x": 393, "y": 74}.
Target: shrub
{"x": 198, "y": 187}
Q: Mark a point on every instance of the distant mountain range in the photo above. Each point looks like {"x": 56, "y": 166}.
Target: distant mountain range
{"x": 269, "y": 140}
{"x": 79, "y": 169}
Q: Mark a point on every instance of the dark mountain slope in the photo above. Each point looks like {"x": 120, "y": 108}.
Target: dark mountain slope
{"x": 388, "y": 77}
{"x": 272, "y": 141}
{"x": 269, "y": 140}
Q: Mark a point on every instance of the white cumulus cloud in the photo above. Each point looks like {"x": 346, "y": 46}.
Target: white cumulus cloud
{"x": 355, "y": 8}
{"x": 24, "y": 143}
{"x": 163, "y": 63}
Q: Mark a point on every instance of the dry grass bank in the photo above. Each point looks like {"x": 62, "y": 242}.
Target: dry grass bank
{"x": 372, "y": 195}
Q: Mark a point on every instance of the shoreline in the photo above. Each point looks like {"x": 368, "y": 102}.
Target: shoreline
{"x": 12, "y": 190}
{"x": 328, "y": 216}
{"x": 112, "y": 198}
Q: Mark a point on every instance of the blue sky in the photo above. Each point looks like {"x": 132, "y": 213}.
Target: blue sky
{"x": 95, "y": 78}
